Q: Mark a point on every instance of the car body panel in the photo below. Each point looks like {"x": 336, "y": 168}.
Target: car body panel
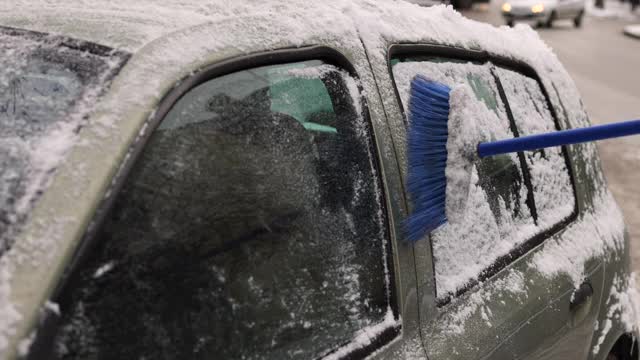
{"x": 496, "y": 320}
{"x": 479, "y": 325}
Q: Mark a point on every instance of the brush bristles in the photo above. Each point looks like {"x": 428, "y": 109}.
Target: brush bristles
{"x": 427, "y": 156}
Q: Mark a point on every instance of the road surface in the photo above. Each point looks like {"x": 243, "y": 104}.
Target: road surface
{"x": 605, "y": 65}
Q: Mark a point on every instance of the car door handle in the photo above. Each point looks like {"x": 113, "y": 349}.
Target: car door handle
{"x": 581, "y": 295}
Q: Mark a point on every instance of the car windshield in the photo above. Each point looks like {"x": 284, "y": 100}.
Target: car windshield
{"x": 47, "y": 84}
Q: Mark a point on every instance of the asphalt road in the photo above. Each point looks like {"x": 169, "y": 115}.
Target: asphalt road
{"x": 605, "y": 65}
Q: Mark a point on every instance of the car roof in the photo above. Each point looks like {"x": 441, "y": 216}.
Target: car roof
{"x": 133, "y": 25}
{"x": 130, "y": 25}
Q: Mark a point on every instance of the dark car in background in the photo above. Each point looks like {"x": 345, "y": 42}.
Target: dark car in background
{"x": 457, "y": 4}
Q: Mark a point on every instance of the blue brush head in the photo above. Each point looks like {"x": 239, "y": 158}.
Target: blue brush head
{"x": 427, "y": 156}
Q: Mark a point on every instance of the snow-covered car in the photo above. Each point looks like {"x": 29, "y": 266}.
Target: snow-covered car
{"x": 225, "y": 180}
{"x": 543, "y": 12}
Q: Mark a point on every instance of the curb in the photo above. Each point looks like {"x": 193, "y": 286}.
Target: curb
{"x": 633, "y": 31}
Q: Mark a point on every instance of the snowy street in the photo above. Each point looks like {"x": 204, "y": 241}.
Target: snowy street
{"x": 605, "y": 64}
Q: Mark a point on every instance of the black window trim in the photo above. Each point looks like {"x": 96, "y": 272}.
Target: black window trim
{"x": 526, "y": 174}
{"x": 49, "y": 321}
{"x": 480, "y": 56}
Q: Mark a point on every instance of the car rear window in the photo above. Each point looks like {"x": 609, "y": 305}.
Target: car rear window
{"x": 251, "y": 227}
{"x": 513, "y": 198}
{"x": 46, "y": 87}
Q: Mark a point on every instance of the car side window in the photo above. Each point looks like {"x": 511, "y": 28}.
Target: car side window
{"x": 555, "y": 199}
{"x": 514, "y": 199}
{"x": 498, "y": 213}
{"x": 251, "y": 227}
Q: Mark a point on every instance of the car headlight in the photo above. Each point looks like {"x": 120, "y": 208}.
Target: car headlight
{"x": 538, "y": 8}
{"x": 506, "y": 7}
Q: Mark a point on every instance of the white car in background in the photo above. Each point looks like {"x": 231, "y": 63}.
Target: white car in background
{"x": 543, "y": 13}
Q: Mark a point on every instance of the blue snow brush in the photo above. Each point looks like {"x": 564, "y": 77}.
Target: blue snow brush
{"x": 427, "y": 154}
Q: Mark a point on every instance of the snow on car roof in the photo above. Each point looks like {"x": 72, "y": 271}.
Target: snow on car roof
{"x": 130, "y": 25}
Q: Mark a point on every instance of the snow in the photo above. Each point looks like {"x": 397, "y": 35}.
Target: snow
{"x": 364, "y": 337}
{"x": 599, "y": 233}
{"x": 52, "y": 307}
{"x": 25, "y": 344}
{"x": 104, "y": 269}
{"x": 549, "y": 175}
{"x": 513, "y": 284}
{"x": 461, "y": 147}
{"x": 623, "y": 305}
{"x": 9, "y": 316}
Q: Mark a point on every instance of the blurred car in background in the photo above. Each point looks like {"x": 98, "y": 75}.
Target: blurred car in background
{"x": 543, "y": 13}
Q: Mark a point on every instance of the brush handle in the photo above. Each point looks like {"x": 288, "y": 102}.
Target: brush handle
{"x": 557, "y": 138}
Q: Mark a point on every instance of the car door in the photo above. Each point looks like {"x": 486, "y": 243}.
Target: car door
{"x": 252, "y": 224}
{"x": 486, "y": 288}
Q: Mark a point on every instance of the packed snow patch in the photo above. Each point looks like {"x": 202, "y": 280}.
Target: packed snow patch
{"x": 513, "y": 283}
{"x": 464, "y": 135}
{"x": 9, "y": 315}
{"x": 599, "y": 231}
{"x": 623, "y": 305}
{"x": 365, "y": 336}
{"x": 25, "y": 344}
